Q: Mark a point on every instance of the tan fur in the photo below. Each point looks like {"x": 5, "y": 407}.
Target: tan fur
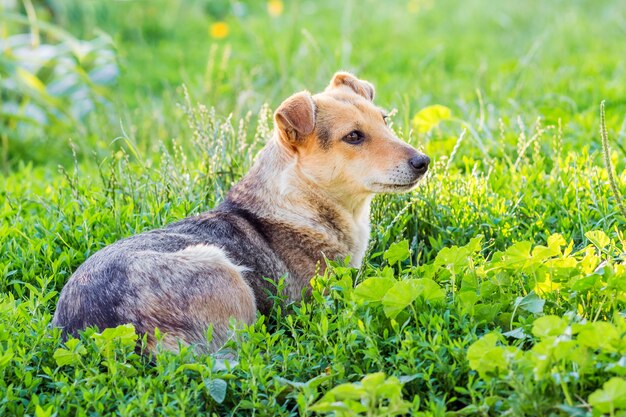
{"x": 292, "y": 183}
{"x": 345, "y": 79}
{"x": 295, "y": 118}
{"x": 229, "y": 296}
{"x": 307, "y": 197}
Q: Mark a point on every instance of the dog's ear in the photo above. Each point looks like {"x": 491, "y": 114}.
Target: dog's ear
{"x": 361, "y": 87}
{"x": 295, "y": 118}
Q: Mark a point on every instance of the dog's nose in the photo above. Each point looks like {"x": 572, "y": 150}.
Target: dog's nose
{"x": 420, "y": 163}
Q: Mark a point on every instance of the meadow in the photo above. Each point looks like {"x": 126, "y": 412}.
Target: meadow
{"x": 496, "y": 288}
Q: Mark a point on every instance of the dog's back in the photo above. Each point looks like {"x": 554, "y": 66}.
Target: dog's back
{"x": 179, "y": 279}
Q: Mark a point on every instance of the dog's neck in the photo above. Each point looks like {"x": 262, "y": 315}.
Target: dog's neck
{"x": 277, "y": 190}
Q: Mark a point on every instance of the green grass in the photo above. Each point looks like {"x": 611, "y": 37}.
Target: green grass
{"x": 496, "y": 288}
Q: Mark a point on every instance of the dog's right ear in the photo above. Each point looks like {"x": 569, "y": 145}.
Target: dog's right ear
{"x": 295, "y": 118}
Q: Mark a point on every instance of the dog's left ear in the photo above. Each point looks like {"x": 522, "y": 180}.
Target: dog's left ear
{"x": 295, "y": 118}
{"x": 361, "y": 87}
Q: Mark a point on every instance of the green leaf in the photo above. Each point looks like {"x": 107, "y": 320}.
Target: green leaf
{"x": 373, "y": 289}
{"x": 124, "y": 334}
{"x": 541, "y": 253}
{"x": 430, "y": 290}
{"x": 618, "y": 367}
{"x": 390, "y": 388}
{"x": 397, "y": 252}
{"x": 197, "y": 367}
{"x": 517, "y": 256}
{"x": 469, "y": 283}
{"x": 403, "y": 379}
{"x": 549, "y": 326}
{"x": 586, "y": 283}
{"x": 311, "y": 383}
{"x": 598, "y": 238}
{"x": 6, "y": 357}
{"x": 517, "y": 333}
{"x": 467, "y": 300}
{"x": 216, "y": 389}
{"x": 556, "y": 241}
{"x": 371, "y": 381}
{"x": 597, "y": 335}
{"x": 617, "y": 280}
{"x": 611, "y": 397}
{"x": 531, "y": 303}
{"x": 475, "y": 244}
{"x": 346, "y": 392}
{"x": 485, "y": 357}
{"x": 374, "y": 390}
{"x": 403, "y": 293}
{"x": 341, "y": 408}
{"x": 429, "y": 117}
{"x": 453, "y": 258}
{"x": 65, "y": 357}
{"x": 400, "y": 296}
{"x": 40, "y": 412}
{"x": 487, "y": 312}
{"x": 71, "y": 355}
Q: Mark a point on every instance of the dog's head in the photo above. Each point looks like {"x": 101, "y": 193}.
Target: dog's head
{"x": 342, "y": 143}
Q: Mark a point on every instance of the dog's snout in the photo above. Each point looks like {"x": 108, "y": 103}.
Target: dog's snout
{"x": 419, "y": 163}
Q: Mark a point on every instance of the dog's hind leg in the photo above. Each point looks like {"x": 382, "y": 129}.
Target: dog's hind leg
{"x": 184, "y": 293}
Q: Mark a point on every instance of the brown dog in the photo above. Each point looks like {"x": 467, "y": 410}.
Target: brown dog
{"x": 307, "y": 196}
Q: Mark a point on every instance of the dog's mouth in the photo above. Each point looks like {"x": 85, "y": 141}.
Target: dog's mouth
{"x": 398, "y": 182}
{"x": 408, "y": 185}
{"x": 395, "y": 186}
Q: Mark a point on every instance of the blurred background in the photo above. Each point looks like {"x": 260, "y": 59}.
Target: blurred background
{"x": 77, "y": 74}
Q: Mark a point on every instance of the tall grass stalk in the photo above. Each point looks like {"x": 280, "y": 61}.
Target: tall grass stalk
{"x": 606, "y": 152}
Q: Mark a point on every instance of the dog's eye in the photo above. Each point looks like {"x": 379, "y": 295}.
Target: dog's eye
{"x": 385, "y": 117}
{"x": 354, "y": 138}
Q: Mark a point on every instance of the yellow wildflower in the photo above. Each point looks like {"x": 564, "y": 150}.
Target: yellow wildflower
{"x": 219, "y": 30}
{"x": 275, "y": 7}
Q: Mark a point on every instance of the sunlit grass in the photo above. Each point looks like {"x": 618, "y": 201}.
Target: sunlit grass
{"x": 506, "y": 267}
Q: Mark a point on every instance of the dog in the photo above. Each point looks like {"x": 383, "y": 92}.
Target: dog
{"x": 306, "y": 197}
